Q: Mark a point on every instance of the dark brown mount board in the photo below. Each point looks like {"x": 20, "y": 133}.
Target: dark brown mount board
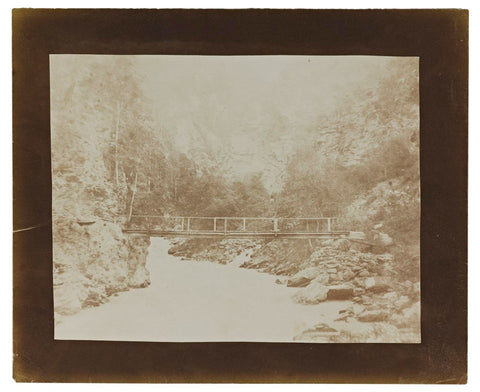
{"x": 439, "y": 37}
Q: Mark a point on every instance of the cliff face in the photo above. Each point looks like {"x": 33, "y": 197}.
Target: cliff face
{"x": 94, "y": 180}
{"x": 93, "y": 261}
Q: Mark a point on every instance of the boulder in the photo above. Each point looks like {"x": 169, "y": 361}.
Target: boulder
{"x": 323, "y": 278}
{"x": 383, "y": 239}
{"x": 369, "y": 282}
{"x": 340, "y": 292}
{"x": 345, "y": 314}
{"x": 298, "y": 281}
{"x": 348, "y": 274}
{"x": 386, "y": 258}
{"x": 357, "y": 291}
{"x": 312, "y": 294}
{"x": 305, "y": 276}
{"x": 322, "y": 327}
{"x": 356, "y": 268}
{"x": 378, "y": 284}
{"x": 370, "y": 316}
{"x": 342, "y": 244}
{"x": 380, "y": 288}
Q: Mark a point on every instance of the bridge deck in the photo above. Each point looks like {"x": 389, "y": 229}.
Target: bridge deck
{"x": 238, "y": 235}
{"x": 233, "y": 227}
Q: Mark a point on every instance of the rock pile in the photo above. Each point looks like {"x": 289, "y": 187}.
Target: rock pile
{"x": 222, "y": 252}
{"x": 339, "y": 273}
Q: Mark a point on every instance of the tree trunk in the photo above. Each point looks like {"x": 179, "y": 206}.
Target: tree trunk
{"x": 134, "y": 190}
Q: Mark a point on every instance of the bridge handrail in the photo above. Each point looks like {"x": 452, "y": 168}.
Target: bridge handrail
{"x": 234, "y": 217}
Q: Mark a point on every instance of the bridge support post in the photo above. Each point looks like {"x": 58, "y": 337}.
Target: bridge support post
{"x": 318, "y": 226}
{"x": 243, "y": 228}
{"x": 214, "y": 224}
{"x": 188, "y": 225}
{"x": 183, "y": 224}
{"x": 329, "y": 225}
{"x": 275, "y": 225}
{"x": 225, "y": 226}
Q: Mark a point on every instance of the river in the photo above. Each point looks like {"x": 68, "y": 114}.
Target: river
{"x": 198, "y": 301}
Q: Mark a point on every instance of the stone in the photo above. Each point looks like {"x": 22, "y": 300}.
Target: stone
{"x": 363, "y": 273}
{"x": 332, "y": 278}
{"x": 299, "y": 281}
{"x": 348, "y": 274}
{"x": 391, "y": 296}
{"x": 312, "y": 294}
{"x": 386, "y": 258}
{"x": 345, "y": 314}
{"x": 357, "y": 291}
{"x": 378, "y": 284}
{"x": 323, "y": 278}
{"x": 322, "y": 327}
{"x": 305, "y": 276}
{"x": 340, "y": 292}
{"x": 380, "y": 288}
{"x": 360, "y": 282}
{"x": 383, "y": 239}
{"x": 357, "y": 299}
{"x": 370, "y": 316}
{"x": 342, "y": 244}
{"x": 356, "y": 268}
{"x": 402, "y": 301}
{"x": 412, "y": 314}
{"x": 369, "y": 282}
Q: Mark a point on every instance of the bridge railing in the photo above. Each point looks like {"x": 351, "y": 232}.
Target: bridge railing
{"x": 232, "y": 224}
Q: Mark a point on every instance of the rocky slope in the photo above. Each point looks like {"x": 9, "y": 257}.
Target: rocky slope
{"x": 93, "y": 261}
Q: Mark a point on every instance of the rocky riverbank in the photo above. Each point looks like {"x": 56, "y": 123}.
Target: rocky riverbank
{"x": 93, "y": 260}
{"x": 385, "y": 307}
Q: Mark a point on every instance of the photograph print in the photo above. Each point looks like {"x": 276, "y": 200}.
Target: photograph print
{"x": 236, "y": 198}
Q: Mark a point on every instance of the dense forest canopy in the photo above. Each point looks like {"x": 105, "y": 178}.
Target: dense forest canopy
{"x": 332, "y": 139}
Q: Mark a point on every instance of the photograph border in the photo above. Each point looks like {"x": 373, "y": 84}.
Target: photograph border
{"x": 438, "y": 37}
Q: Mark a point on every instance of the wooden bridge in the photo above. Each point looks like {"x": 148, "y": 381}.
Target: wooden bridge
{"x": 234, "y": 227}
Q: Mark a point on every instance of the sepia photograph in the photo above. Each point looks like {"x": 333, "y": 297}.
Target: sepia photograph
{"x": 261, "y": 198}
